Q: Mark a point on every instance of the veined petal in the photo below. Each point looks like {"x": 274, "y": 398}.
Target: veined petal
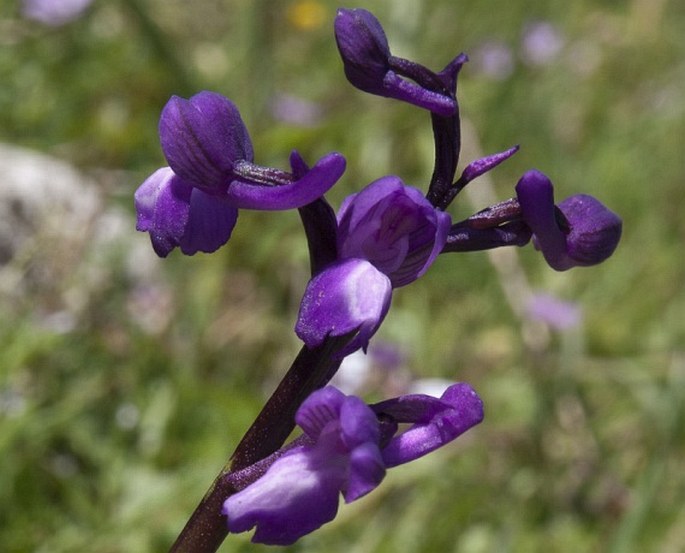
{"x": 296, "y": 496}
{"x": 394, "y": 227}
{"x": 177, "y": 214}
{"x": 314, "y": 184}
{"x": 366, "y": 471}
{"x": 321, "y": 407}
{"x": 210, "y": 223}
{"x": 358, "y": 423}
{"x": 163, "y": 207}
{"x": 203, "y": 137}
{"x": 347, "y": 296}
{"x": 462, "y": 410}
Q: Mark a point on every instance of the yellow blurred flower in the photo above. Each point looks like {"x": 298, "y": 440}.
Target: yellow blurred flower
{"x": 306, "y": 15}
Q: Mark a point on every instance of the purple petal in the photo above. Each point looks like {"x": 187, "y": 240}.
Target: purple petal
{"x": 314, "y": 184}
{"x": 176, "y": 214}
{"x": 366, "y": 471}
{"x": 595, "y": 230}
{"x": 297, "y": 495}
{"x": 203, "y": 137}
{"x": 319, "y": 409}
{"x": 347, "y": 296}
{"x": 358, "y": 423}
{"x": 394, "y": 227}
{"x": 163, "y": 208}
{"x": 210, "y": 223}
{"x": 463, "y": 409}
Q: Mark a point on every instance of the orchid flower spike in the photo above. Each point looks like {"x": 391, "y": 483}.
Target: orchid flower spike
{"x": 193, "y": 203}
{"x": 388, "y": 236}
{"x": 370, "y": 67}
{"x": 579, "y": 232}
{"x": 347, "y": 451}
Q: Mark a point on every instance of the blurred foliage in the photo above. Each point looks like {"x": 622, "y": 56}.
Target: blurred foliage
{"x": 112, "y": 426}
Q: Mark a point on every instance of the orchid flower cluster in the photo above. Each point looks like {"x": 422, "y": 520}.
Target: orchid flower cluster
{"x": 383, "y": 237}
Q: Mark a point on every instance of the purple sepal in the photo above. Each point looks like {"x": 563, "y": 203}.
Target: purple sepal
{"x": 477, "y": 168}
{"x": 203, "y": 137}
{"x": 346, "y": 296}
{"x": 442, "y": 421}
{"x": 312, "y": 185}
{"x": 365, "y": 54}
{"x": 593, "y": 230}
{"x": 299, "y": 492}
{"x": 394, "y": 227}
{"x": 177, "y": 214}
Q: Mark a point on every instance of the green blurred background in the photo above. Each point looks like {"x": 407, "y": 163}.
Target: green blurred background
{"x": 125, "y": 382}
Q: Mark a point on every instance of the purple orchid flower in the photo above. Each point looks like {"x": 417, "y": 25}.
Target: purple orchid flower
{"x": 343, "y": 452}
{"x": 370, "y": 67}
{"x": 388, "y": 236}
{"x": 193, "y": 203}
{"x": 579, "y": 232}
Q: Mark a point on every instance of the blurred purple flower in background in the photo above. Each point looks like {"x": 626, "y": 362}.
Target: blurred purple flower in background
{"x": 295, "y": 110}
{"x": 541, "y": 43}
{"x": 555, "y": 312}
{"x": 54, "y": 12}
{"x": 494, "y": 60}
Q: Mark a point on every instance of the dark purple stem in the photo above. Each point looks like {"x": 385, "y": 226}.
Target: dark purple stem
{"x": 321, "y": 228}
{"x": 311, "y": 370}
{"x": 447, "y": 138}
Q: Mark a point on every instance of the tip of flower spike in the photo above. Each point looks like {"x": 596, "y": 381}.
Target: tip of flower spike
{"x": 363, "y": 48}
{"x": 369, "y": 65}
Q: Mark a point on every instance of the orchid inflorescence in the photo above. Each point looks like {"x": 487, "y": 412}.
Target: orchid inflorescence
{"x": 384, "y": 236}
